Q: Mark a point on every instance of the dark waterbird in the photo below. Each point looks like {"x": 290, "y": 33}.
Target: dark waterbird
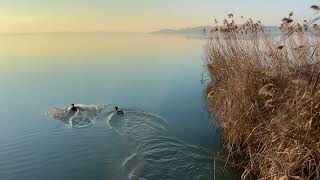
{"x": 117, "y": 111}
{"x": 73, "y": 108}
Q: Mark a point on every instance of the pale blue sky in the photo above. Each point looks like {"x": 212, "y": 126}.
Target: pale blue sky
{"x": 137, "y": 15}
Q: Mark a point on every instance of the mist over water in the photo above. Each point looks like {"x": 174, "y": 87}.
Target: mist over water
{"x": 164, "y": 134}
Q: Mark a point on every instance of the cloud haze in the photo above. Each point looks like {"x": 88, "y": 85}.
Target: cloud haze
{"x": 18, "y": 16}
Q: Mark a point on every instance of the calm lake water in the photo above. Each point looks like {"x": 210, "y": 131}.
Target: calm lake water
{"x": 164, "y": 134}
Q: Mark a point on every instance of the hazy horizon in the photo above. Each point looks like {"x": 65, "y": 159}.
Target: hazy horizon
{"x": 32, "y": 16}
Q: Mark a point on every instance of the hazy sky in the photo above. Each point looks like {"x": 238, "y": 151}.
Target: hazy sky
{"x": 136, "y": 15}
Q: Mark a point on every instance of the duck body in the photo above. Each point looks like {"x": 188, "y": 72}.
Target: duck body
{"x": 117, "y": 111}
{"x": 73, "y": 108}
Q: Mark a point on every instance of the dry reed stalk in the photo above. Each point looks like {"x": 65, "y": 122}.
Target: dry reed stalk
{"x": 265, "y": 95}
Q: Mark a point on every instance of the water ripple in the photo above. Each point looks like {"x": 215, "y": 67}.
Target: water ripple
{"x": 158, "y": 156}
{"x": 155, "y": 154}
{"x": 137, "y": 125}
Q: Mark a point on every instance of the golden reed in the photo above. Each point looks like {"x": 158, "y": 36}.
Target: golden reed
{"x": 265, "y": 94}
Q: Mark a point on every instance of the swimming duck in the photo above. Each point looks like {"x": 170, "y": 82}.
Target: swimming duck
{"x": 73, "y": 108}
{"x": 117, "y": 111}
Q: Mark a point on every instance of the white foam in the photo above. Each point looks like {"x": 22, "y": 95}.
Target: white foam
{"x": 84, "y": 117}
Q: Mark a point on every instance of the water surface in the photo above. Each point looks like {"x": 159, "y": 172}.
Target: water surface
{"x": 165, "y": 135}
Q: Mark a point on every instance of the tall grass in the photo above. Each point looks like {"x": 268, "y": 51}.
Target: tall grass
{"x": 265, "y": 93}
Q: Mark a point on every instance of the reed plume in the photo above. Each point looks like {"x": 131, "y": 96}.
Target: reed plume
{"x": 265, "y": 95}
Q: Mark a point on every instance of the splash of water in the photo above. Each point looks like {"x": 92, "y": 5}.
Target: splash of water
{"x": 82, "y": 118}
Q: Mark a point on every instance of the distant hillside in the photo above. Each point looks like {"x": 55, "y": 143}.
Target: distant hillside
{"x": 188, "y": 30}
{"x": 201, "y": 30}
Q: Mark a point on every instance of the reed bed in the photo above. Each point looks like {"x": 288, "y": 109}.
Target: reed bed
{"x": 265, "y": 94}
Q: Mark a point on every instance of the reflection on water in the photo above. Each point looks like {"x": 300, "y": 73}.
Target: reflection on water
{"x": 156, "y": 74}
